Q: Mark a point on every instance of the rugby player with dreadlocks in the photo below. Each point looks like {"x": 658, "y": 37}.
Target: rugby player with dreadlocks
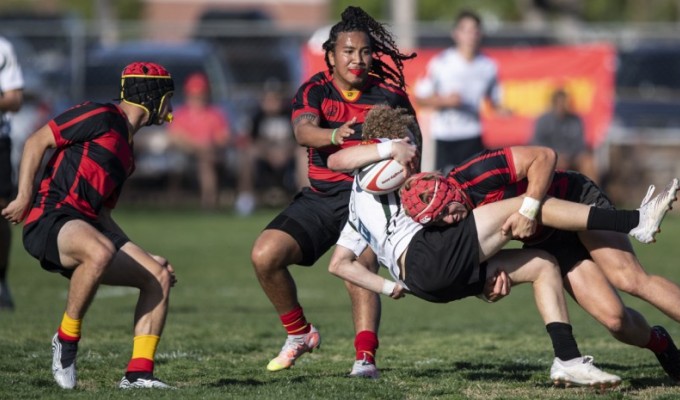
{"x": 441, "y": 264}
{"x": 328, "y": 112}
{"x": 69, "y": 227}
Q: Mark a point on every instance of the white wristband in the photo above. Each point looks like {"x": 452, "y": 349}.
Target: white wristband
{"x": 530, "y": 207}
{"x": 388, "y": 287}
{"x": 385, "y": 149}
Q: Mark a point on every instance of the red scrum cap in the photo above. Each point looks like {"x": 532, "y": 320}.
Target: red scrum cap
{"x": 147, "y": 85}
{"x": 426, "y": 195}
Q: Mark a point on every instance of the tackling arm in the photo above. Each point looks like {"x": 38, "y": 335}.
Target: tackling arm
{"x": 537, "y": 165}
{"x": 351, "y": 158}
{"x": 308, "y": 133}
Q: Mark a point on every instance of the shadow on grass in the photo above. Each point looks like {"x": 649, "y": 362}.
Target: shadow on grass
{"x": 238, "y": 382}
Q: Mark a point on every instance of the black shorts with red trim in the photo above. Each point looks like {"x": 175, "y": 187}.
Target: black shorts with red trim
{"x": 440, "y": 263}
{"x": 40, "y": 238}
{"x": 314, "y": 220}
{"x": 567, "y": 246}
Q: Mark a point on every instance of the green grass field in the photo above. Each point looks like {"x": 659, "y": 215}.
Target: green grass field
{"x": 222, "y": 331}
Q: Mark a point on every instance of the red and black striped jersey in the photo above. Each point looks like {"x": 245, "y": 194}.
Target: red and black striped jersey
{"x": 320, "y": 97}
{"x": 92, "y": 160}
{"x": 491, "y": 176}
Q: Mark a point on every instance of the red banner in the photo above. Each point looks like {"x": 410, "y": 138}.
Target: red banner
{"x": 528, "y": 76}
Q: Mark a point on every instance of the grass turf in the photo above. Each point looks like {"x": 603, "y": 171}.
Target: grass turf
{"x": 221, "y": 330}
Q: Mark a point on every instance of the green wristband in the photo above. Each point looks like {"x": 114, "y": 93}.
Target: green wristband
{"x": 333, "y": 136}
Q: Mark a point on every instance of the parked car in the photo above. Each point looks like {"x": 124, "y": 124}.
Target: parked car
{"x": 101, "y": 81}
{"x": 255, "y": 50}
{"x": 647, "y": 88}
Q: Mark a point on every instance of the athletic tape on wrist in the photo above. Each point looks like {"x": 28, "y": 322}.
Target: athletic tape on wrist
{"x": 530, "y": 207}
{"x": 385, "y": 149}
{"x": 388, "y": 287}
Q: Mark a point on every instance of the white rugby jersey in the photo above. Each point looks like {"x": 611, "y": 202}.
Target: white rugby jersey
{"x": 378, "y": 221}
{"x": 449, "y": 72}
{"x": 11, "y": 78}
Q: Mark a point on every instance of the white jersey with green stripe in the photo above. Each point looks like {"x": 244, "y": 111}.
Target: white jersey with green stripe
{"x": 378, "y": 221}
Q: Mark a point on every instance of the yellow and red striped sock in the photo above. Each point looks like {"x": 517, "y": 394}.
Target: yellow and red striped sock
{"x": 143, "y": 352}
{"x": 295, "y": 322}
{"x": 69, "y": 330}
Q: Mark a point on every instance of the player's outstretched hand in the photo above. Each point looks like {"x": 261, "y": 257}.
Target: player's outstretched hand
{"x": 344, "y": 131}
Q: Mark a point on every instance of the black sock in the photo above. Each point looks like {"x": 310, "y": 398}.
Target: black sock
{"x": 563, "y": 341}
{"x": 612, "y": 220}
{"x": 134, "y": 375}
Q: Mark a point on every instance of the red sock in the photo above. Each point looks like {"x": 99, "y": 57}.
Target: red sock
{"x": 657, "y": 343}
{"x": 67, "y": 338}
{"x": 294, "y": 321}
{"x": 366, "y": 345}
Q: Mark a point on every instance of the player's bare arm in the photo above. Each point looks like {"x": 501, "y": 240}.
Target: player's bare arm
{"x": 34, "y": 150}
{"x": 11, "y": 100}
{"x": 344, "y": 265}
{"x": 308, "y": 133}
{"x": 352, "y": 158}
{"x": 537, "y": 165}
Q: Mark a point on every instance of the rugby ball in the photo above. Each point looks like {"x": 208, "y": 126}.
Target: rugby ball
{"x": 382, "y": 177}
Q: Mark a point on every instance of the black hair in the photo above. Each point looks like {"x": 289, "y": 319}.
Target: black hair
{"x": 354, "y": 19}
{"x": 465, "y": 14}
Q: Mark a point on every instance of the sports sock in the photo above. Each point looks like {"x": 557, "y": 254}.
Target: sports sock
{"x": 366, "y": 345}
{"x": 69, "y": 330}
{"x": 294, "y": 321}
{"x": 564, "y": 344}
{"x": 143, "y": 352}
{"x": 657, "y": 343}
{"x": 613, "y": 220}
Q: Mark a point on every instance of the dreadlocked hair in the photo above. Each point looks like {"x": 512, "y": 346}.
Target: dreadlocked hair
{"x": 383, "y": 121}
{"x": 354, "y": 19}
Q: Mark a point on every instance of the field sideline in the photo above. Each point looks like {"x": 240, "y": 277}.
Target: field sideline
{"x": 222, "y": 330}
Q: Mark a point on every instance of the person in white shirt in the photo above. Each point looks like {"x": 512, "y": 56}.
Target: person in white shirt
{"x": 458, "y": 80}
{"x": 11, "y": 100}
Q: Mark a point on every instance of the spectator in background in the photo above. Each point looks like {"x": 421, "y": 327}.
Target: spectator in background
{"x": 201, "y": 130}
{"x": 11, "y": 99}
{"x": 457, "y": 81}
{"x": 562, "y": 130}
{"x": 271, "y": 164}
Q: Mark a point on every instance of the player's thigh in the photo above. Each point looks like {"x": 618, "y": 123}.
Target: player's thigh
{"x": 80, "y": 242}
{"x": 276, "y": 247}
{"x": 132, "y": 266}
{"x": 489, "y": 220}
{"x": 592, "y": 291}
{"x": 525, "y": 265}
{"x": 613, "y": 254}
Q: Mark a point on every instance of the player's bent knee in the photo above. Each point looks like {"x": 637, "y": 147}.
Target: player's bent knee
{"x": 101, "y": 256}
{"x": 268, "y": 258}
